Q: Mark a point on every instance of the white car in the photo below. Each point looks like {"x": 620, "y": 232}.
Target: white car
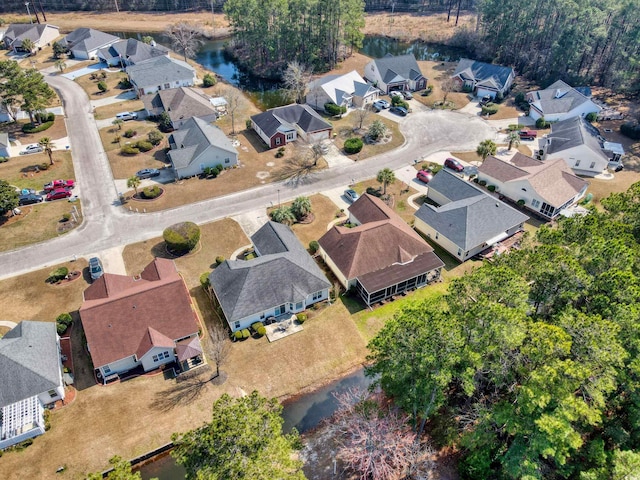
{"x": 124, "y": 116}
{"x": 395, "y": 94}
{"x": 351, "y": 195}
{"x": 34, "y": 148}
{"x": 380, "y": 105}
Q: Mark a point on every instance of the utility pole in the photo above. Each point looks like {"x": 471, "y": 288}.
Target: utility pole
{"x": 117, "y": 9}
{"x": 26, "y": 4}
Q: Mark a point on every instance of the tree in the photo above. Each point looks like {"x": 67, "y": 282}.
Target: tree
{"x": 121, "y": 471}
{"x": 60, "y": 65}
{"x": 133, "y": 182}
{"x": 208, "y": 80}
{"x": 118, "y": 123}
{"x": 448, "y": 85}
{"x": 165, "y": 124}
{"x": 102, "y": 86}
{"x": 360, "y": 114}
{"x": 28, "y": 45}
{"x": 58, "y": 50}
{"x": 283, "y": 215}
{"x": 377, "y": 130}
{"x": 47, "y": 145}
{"x": 301, "y": 207}
{"x": 181, "y": 237}
{"x": 296, "y": 77}
{"x": 12, "y": 83}
{"x": 147, "y": 39}
{"x": 8, "y": 197}
{"x": 385, "y": 177}
{"x": 218, "y": 345}
{"x": 185, "y": 38}
{"x": 36, "y": 94}
{"x": 514, "y": 139}
{"x": 486, "y": 148}
{"x": 243, "y": 440}
{"x": 233, "y": 96}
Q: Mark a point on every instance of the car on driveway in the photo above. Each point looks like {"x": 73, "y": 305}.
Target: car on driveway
{"x": 424, "y": 176}
{"x": 34, "y": 148}
{"x": 380, "y": 105}
{"x": 29, "y": 199}
{"x": 58, "y": 194}
{"x": 407, "y": 95}
{"x": 95, "y": 268}
{"x": 395, "y": 93}
{"x": 124, "y": 116}
{"x": 486, "y": 99}
{"x": 399, "y": 111}
{"x": 454, "y": 164}
{"x": 147, "y": 173}
{"x": 55, "y": 184}
{"x": 351, "y": 195}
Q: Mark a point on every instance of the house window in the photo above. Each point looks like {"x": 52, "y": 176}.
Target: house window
{"x": 155, "y": 358}
{"x": 236, "y": 325}
{"x": 261, "y": 316}
{"x": 299, "y": 306}
{"x": 577, "y": 163}
{"x": 524, "y": 189}
{"x": 316, "y": 296}
{"x": 106, "y": 369}
{"x": 277, "y": 140}
{"x": 226, "y": 160}
{"x": 547, "y": 210}
{"x": 290, "y": 136}
{"x": 167, "y": 85}
{"x": 52, "y": 393}
{"x": 593, "y": 164}
{"x": 535, "y": 203}
{"x": 459, "y": 252}
{"x": 437, "y": 235}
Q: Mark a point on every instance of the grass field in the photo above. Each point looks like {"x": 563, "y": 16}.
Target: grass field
{"x": 111, "y": 79}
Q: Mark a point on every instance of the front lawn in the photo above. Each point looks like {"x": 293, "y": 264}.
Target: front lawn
{"x": 111, "y": 110}
{"x": 346, "y": 128}
{"x": 54, "y": 132}
{"x": 111, "y": 79}
{"x": 398, "y": 190}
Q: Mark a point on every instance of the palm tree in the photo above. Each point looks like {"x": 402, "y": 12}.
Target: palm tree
{"x": 28, "y": 45}
{"x": 283, "y": 215}
{"x": 48, "y": 146}
{"x": 60, "y": 65}
{"x": 133, "y": 182}
{"x": 118, "y": 123}
{"x": 486, "y": 148}
{"x": 301, "y": 207}
{"x": 386, "y": 177}
{"x": 514, "y": 139}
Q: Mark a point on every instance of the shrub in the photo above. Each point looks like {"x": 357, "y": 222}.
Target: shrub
{"x": 237, "y": 335}
{"x": 376, "y": 192}
{"x": 129, "y": 150}
{"x": 124, "y": 83}
{"x": 542, "y": 123}
{"x": 66, "y": 217}
{"x": 476, "y": 180}
{"x": 247, "y": 124}
{"x": 519, "y": 98}
{"x": 499, "y": 97}
{"x": 434, "y": 167}
{"x": 261, "y": 331}
{"x": 130, "y": 133}
{"x": 204, "y": 279}
{"x": 58, "y": 274}
{"x": 4, "y": 159}
{"x": 219, "y": 259}
{"x": 353, "y": 145}
{"x": 103, "y": 75}
{"x": 46, "y": 415}
{"x": 144, "y": 146}
{"x": 491, "y": 188}
{"x": 333, "y": 109}
{"x": 60, "y": 328}
{"x": 313, "y": 246}
{"x": 32, "y": 128}
{"x": 44, "y": 166}
{"x": 256, "y": 325}
{"x": 521, "y": 202}
{"x": 154, "y": 137}
{"x": 482, "y": 182}
{"x": 427, "y": 91}
{"x": 591, "y": 117}
{"x": 630, "y": 130}
{"x": 181, "y": 237}
{"x": 102, "y": 86}
{"x": 399, "y": 102}
{"x": 301, "y": 317}
{"x": 164, "y": 122}
{"x": 151, "y": 192}
{"x": 489, "y": 109}
{"x": 246, "y": 333}
{"x": 208, "y": 80}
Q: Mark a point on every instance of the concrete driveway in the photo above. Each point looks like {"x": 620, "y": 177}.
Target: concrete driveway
{"x": 96, "y": 67}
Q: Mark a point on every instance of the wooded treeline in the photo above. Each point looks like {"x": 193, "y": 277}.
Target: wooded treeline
{"x": 273, "y": 33}
{"x": 531, "y": 365}
{"x": 592, "y": 42}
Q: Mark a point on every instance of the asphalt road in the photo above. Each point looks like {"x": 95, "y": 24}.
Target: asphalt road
{"x": 107, "y": 225}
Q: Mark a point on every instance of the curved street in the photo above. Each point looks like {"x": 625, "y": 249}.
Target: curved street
{"x": 106, "y": 224}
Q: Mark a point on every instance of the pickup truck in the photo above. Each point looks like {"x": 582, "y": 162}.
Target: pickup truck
{"x": 528, "y": 134}
{"x": 55, "y": 184}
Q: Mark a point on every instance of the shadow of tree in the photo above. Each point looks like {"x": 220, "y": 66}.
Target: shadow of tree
{"x": 160, "y": 250}
{"x": 179, "y": 394}
{"x": 83, "y": 376}
{"x": 352, "y": 303}
{"x": 297, "y": 171}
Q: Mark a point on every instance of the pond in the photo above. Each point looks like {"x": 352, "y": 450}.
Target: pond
{"x": 266, "y": 93}
{"x": 303, "y": 412}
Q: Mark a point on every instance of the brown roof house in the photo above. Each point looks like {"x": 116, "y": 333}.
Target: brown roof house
{"x": 143, "y": 322}
{"x": 381, "y": 256}
{"x": 542, "y": 187}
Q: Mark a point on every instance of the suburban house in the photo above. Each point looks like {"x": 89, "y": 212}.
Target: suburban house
{"x": 560, "y": 101}
{"x": 348, "y": 90}
{"x": 382, "y": 256}
{"x": 5, "y": 145}
{"x": 142, "y": 322}
{"x": 583, "y": 148}
{"x": 282, "y": 279}
{"x": 282, "y": 125}
{"x": 483, "y": 78}
{"x": 130, "y": 52}
{"x": 546, "y": 188}
{"x": 30, "y": 379}
{"x": 39, "y": 34}
{"x": 181, "y": 104}
{"x": 463, "y": 219}
{"x": 399, "y": 72}
{"x": 160, "y": 73}
{"x": 198, "y": 145}
{"x": 84, "y": 43}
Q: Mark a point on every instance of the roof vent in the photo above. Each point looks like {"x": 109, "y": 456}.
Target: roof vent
{"x": 497, "y": 204}
{"x": 134, "y": 307}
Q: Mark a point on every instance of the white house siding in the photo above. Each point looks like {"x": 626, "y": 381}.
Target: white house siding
{"x": 437, "y": 197}
{"x": 211, "y": 157}
{"x": 437, "y": 237}
{"x": 371, "y": 74}
{"x": 119, "y": 366}
{"x": 20, "y": 421}
{"x": 336, "y": 271}
{"x": 46, "y": 399}
{"x": 259, "y": 131}
{"x": 163, "y": 354}
{"x": 581, "y": 159}
{"x": 581, "y": 111}
{"x": 148, "y": 89}
{"x": 5, "y": 151}
{"x": 324, "y": 294}
{"x": 317, "y": 98}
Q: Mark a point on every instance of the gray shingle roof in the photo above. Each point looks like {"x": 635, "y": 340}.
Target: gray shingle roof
{"x": 398, "y": 68}
{"x": 29, "y": 361}
{"x": 22, "y": 31}
{"x": 159, "y": 71}
{"x": 284, "y": 272}
{"x": 288, "y": 116}
{"x": 473, "y": 218}
{"x": 4, "y": 140}
{"x": 193, "y": 138}
{"x": 88, "y": 39}
{"x": 181, "y": 103}
{"x": 559, "y": 97}
{"x": 494, "y": 75}
{"x": 339, "y": 87}
{"x": 571, "y": 133}
{"x": 133, "y": 51}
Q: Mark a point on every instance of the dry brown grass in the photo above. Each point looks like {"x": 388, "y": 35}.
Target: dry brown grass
{"x": 436, "y": 73}
{"x": 20, "y": 170}
{"x": 344, "y": 127}
{"x": 57, "y": 130}
{"x": 429, "y": 28}
{"x": 90, "y": 86}
{"x": 110, "y": 111}
{"x": 400, "y": 192}
{"x": 29, "y": 297}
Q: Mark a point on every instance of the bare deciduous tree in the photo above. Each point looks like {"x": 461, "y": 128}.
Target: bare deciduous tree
{"x": 233, "y": 96}
{"x": 218, "y": 346}
{"x": 448, "y": 85}
{"x": 296, "y": 78}
{"x": 185, "y": 38}
{"x": 360, "y": 115}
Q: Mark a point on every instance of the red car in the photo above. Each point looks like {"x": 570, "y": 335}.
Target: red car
{"x": 454, "y": 164}
{"x": 58, "y": 193}
{"x": 424, "y": 176}
{"x": 528, "y": 134}
{"x": 55, "y": 184}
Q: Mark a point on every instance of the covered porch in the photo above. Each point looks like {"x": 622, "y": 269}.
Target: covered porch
{"x": 189, "y": 354}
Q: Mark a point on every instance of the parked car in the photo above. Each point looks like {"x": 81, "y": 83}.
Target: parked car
{"x": 127, "y": 116}
{"x": 29, "y": 199}
{"x": 351, "y": 195}
{"x": 528, "y": 134}
{"x": 147, "y": 173}
{"x": 395, "y": 93}
{"x": 399, "y": 111}
{"x": 424, "y": 176}
{"x": 454, "y": 164}
{"x": 95, "y": 268}
{"x": 380, "y": 105}
{"x": 407, "y": 95}
{"x": 55, "y": 184}
{"x": 58, "y": 194}
{"x": 34, "y": 148}
{"x": 486, "y": 99}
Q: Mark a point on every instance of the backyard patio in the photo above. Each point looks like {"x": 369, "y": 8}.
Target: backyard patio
{"x": 282, "y": 326}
